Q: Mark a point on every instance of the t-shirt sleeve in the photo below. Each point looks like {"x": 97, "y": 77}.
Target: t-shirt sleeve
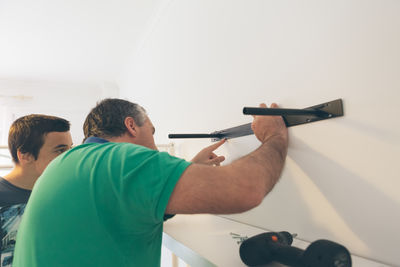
{"x": 147, "y": 180}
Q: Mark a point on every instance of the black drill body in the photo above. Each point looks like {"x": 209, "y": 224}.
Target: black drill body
{"x": 276, "y": 247}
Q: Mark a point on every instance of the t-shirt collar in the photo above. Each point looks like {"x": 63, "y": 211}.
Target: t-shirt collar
{"x": 94, "y": 139}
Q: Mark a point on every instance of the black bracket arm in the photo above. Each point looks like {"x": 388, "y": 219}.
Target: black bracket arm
{"x": 291, "y": 117}
{"x": 238, "y": 131}
{"x": 212, "y": 135}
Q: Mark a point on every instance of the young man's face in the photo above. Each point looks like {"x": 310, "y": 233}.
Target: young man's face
{"x": 54, "y": 144}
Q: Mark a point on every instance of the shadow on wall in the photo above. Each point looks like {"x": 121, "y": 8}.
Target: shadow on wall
{"x": 368, "y": 212}
{"x": 377, "y": 132}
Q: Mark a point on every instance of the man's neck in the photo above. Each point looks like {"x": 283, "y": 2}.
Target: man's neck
{"x": 121, "y": 139}
{"x": 21, "y": 178}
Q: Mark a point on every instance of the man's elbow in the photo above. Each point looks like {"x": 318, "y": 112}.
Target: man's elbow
{"x": 251, "y": 199}
{"x": 255, "y": 194}
{"x": 258, "y": 197}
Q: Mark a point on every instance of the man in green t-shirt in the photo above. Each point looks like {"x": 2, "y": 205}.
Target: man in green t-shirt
{"x": 103, "y": 203}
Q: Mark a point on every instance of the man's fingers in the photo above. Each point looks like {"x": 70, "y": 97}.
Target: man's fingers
{"x": 216, "y": 145}
{"x": 216, "y": 161}
{"x": 274, "y": 105}
{"x": 213, "y": 156}
{"x": 263, "y": 105}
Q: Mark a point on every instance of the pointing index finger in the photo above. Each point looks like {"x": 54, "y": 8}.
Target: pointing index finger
{"x": 216, "y": 145}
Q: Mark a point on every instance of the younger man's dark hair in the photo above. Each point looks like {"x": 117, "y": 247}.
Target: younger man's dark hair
{"x": 27, "y": 133}
{"x": 107, "y": 118}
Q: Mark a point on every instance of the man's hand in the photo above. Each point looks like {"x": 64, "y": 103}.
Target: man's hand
{"x": 266, "y": 127}
{"x": 208, "y": 157}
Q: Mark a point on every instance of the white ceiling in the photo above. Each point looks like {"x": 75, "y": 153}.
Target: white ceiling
{"x": 70, "y": 40}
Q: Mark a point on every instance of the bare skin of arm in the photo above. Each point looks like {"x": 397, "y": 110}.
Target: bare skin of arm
{"x": 239, "y": 186}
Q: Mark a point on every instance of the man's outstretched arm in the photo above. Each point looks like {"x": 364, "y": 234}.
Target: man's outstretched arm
{"x": 239, "y": 186}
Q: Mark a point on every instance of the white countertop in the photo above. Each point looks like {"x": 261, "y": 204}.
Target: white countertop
{"x": 206, "y": 240}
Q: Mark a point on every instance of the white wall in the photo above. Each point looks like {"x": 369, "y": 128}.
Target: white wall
{"x": 69, "y": 100}
{"x": 69, "y": 40}
{"x": 203, "y": 61}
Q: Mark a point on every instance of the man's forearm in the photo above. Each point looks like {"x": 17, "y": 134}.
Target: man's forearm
{"x": 262, "y": 168}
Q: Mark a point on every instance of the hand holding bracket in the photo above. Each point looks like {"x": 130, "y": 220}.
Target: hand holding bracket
{"x": 294, "y": 117}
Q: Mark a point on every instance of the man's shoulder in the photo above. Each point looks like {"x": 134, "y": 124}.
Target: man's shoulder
{"x": 11, "y": 194}
{"x": 114, "y": 153}
{"x": 109, "y": 147}
{"x": 106, "y": 151}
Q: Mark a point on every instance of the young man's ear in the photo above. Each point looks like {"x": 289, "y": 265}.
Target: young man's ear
{"x": 25, "y": 158}
{"x": 131, "y": 126}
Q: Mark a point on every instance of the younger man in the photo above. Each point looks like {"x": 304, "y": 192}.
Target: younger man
{"x": 33, "y": 141}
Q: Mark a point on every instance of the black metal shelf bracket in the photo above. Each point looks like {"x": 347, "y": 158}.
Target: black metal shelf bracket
{"x": 292, "y": 117}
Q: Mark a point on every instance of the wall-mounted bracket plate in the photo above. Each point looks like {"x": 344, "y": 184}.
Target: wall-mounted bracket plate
{"x": 324, "y": 111}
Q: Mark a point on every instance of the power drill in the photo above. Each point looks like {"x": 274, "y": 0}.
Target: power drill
{"x": 276, "y": 247}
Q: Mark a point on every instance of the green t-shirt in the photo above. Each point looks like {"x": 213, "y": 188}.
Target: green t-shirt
{"x": 99, "y": 205}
